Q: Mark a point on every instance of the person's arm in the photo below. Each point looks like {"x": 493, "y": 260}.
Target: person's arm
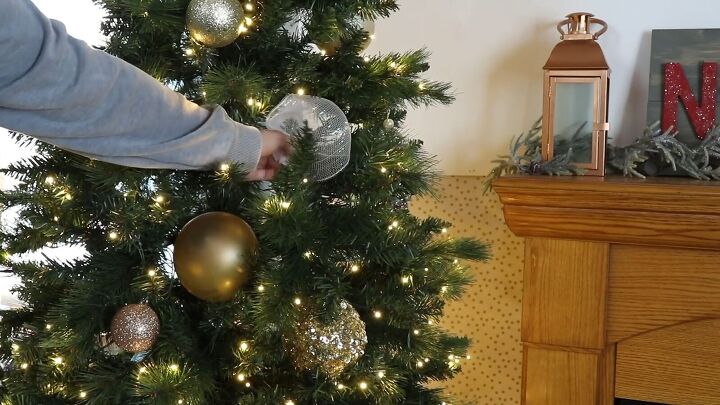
{"x": 59, "y": 90}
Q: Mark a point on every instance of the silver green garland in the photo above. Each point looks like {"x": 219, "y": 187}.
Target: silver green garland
{"x": 654, "y": 153}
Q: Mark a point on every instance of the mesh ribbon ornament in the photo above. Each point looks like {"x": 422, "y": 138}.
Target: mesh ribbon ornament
{"x": 329, "y": 127}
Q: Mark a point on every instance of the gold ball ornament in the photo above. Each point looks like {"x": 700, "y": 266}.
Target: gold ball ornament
{"x": 330, "y": 347}
{"x": 135, "y": 328}
{"x": 389, "y": 124}
{"x": 214, "y": 254}
{"x": 215, "y": 23}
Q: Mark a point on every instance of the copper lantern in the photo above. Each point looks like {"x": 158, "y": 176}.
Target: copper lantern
{"x": 575, "y": 104}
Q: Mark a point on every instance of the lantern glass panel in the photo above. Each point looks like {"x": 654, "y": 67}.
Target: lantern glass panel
{"x": 574, "y": 117}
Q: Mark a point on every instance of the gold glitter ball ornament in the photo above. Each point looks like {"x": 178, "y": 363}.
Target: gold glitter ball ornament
{"x": 330, "y": 347}
{"x": 214, "y": 255}
{"x": 135, "y": 328}
{"x": 215, "y": 23}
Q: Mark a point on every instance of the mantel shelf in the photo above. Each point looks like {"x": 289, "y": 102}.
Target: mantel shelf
{"x": 675, "y": 212}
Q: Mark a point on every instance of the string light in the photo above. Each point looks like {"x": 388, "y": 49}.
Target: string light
{"x": 152, "y": 273}
{"x": 241, "y": 377}
{"x": 381, "y": 374}
{"x": 301, "y": 91}
{"x": 377, "y": 314}
{"x": 249, "y": 7}
{"x": 427, "y": 360}
{"x": 244, "y": 346}
{"x": 24, "y": 366}
{"x": 190, "y": 52}
{"x": 180, "y": 401}
{"x": 305, "y": 181}
{"x": 248, "y": 21}
{"x": 341, "y": 386}
{"x": 467, "y": 357}
{"x": 383, "y": 170}
{"x": 113, "y": 235}
{"x": 56, "y": 218}
{"x": 456, "y": 261}
{"x": 309, "y": 254}
{"x": 393, "y": 65}
{"x": 49, "y": 180}
{"x": 420, "y": 364}
{"x": 261, "y": 288}
{"x": 405, "y": 280}
{"x": 58, "y": 360}
{"x": 15, "y": 347}
{"x": 444, "y": 289}
{"x": 251, "y": 101}
{"x": 354, "y": 268}
{"x": 285, "y": 204}
{"x": 363, "y": 385}
{"x": 174, "y": 367}
{"x": 444, "y": 230}
{"x": 160, "y": 199}
{"x": 83, "y": 394}
{"x": 366, "y": 59}
{"x": 421, "y": 86}
{"x": 416, "y": 332}
{"x": 142, "y": 370}
{"x": 224, "y": 167}
{"x": 247, "y": 384}
{"x": 297, "y": 301}
{"x": 289, "y": 402}
{"x": 48, "y": 326}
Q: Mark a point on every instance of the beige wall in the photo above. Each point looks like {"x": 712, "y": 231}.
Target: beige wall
{"x": 490, "y": 311}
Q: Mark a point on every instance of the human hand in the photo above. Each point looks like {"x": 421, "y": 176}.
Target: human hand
{"x": 275, "y": 146}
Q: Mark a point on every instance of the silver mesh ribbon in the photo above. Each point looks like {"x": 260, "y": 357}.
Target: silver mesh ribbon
{"x": 328, "y": 124}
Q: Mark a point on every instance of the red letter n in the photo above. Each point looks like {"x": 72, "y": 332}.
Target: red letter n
{"x": 702, "y": 117}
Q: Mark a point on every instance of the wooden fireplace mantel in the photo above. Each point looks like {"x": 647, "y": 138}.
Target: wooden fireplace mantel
{"x": 621, "y": 288}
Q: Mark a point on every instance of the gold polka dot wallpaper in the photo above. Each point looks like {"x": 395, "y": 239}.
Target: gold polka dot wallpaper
{"x": 489, "y": 313}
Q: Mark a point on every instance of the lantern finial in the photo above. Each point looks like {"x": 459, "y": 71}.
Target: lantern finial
{"x": 579, "y": 25}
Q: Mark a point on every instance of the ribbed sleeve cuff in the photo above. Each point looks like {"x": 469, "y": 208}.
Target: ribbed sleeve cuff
{"x": 246, "y": 148}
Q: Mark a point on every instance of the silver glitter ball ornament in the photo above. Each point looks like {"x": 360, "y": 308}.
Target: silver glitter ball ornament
{"x": 388, "y": 124}
{"x": 330, "y": 347}
{"x": 135, "y": 328}
{"x": 215, "y": 23}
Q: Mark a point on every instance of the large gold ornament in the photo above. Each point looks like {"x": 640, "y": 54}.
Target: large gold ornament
{"x": 135, "y": 328}
{"x": 330, "y": 347}
{"x": 214, "y": 254}
{"x": 215, "y": 23}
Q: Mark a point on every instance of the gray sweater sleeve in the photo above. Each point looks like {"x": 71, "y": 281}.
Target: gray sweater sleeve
{"x": 59, "y": 90}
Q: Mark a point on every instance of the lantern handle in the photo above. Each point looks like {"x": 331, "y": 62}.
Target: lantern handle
{"x": 566, "y": 23}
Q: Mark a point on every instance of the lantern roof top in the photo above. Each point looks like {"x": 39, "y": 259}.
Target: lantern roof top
{"x": 583, "y": 54}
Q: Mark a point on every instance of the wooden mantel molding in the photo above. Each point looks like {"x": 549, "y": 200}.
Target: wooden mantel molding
{"x": 658, "y": 211}
{"x": 621, "y": 288}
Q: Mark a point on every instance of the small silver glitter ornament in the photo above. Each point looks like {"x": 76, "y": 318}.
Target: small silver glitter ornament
{"x": 135, "y": 328}
{"x": 388, "y": 124}
{"x": 215, "y": 23}
{"x": 330, "y": 347}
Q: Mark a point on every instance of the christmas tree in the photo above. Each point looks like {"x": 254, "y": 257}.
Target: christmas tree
{"x": 342, "y": 301}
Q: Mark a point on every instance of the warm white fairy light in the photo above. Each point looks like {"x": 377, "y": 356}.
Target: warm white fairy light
{"x": 24, "y": 366}
{"x": 289, "y": 402}
{"x": 323, "y": 52}
{"x": 174, "y": 367}
{"x": 251, "y": 101}
{"x": 444, "y": 230}
{"x": 241, "y": 377}
{"x": 366, "y": 59}
{"x": 297, "y": 301}
{"x": 393, "y": 65}
{"x": 15, "y": 347}
{"x": 305, "y": 181}
{"x": 50, "y": 180}
{"x": 421, "y": 86}
{"x": 160, "y": 199}
{"x": 248, "y": 21}
{"x": 381, "y": 374}
{"x": 285, "y": 204}
{"x": 224, "y": 167}
{"x": 383, "y": 170}
{"x": 180, "y": 401}
{"x": 142, "y": 370}
{"x": 354, "y": 268}
{"x": 416, "y": 332}
{"x": 261, "y": 288}
{"x": 249, "y": 7}
{"x": 420, "y": 364}
{"x": 444, "y": 289}
{"x": 152, "y": 273}
{"x": 467, "y": 357}
{"x": 190, "y": 52}
{"x": 309, "y": 254}
{"x": 56, "y": 218}
{"x": 456, "y": 261}
{"x": 427, "y": 360}
{"x": 58, "y": 360}
{"x": 48, "y": 326}
{"x": 363, "y": 385}
{"x": 244, "y": 346}
{"x": 377, "y": 314}
{"x": 113, "y": 235}
{"x": 405, "y": 280}
{"x": 301, "y": 91}
{"x": 341, "y": 386}
{"x": 427, "y": 269}
{"x": 83, "y": 394}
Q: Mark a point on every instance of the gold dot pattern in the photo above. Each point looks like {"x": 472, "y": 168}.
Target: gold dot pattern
{"x": 489, "y": 312}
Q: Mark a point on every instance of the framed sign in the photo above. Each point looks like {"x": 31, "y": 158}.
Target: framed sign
{"x": 684, "y": 82}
